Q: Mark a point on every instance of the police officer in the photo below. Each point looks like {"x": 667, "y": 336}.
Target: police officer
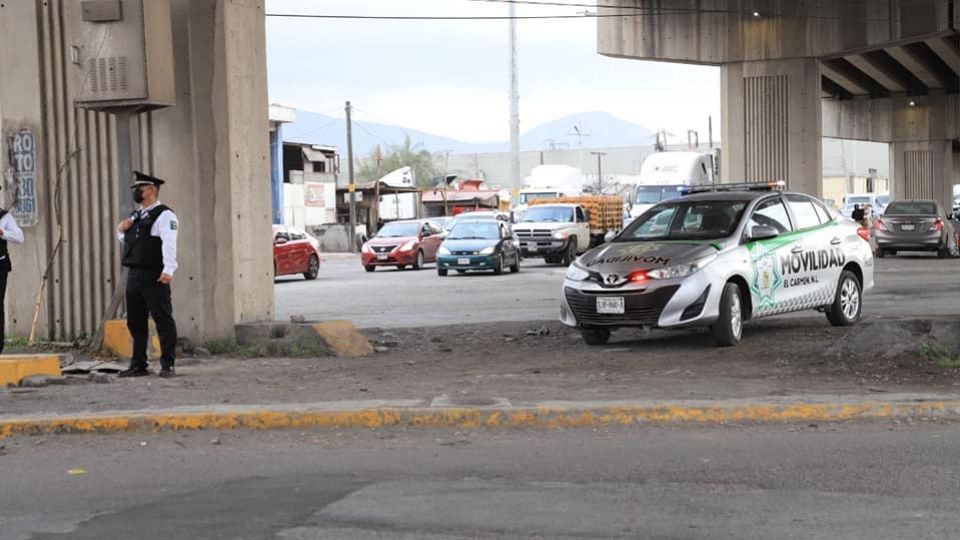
{"x": 149, "y": 239}
{"x": 9, "y": 232}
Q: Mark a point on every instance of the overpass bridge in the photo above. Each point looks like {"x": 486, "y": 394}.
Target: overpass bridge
{"x": 795, "y": 71}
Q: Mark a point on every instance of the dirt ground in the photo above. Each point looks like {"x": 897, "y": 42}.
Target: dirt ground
{"x": 529, "y": 362}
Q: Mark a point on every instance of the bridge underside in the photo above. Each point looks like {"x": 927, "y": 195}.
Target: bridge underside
{"x": 791, "y": 73}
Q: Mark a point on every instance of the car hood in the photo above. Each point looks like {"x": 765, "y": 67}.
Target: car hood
{"x": 469, "y": 245}
{"x": 624, "y": 257}
{"x": 391, "y": 241}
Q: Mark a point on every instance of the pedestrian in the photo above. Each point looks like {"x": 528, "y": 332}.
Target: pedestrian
{"x": 149, "y": 239}
{"x": 857, "y": 213}
{"x": 9, "y": 232}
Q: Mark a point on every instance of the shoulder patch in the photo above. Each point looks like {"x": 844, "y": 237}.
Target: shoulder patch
{"x": 173, "y": 225}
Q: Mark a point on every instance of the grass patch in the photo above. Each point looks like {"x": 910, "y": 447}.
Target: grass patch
{"x": 940, "y": 355}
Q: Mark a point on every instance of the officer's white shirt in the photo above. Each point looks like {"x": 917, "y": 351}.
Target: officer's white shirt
{"x": 165, "y": 228}
{"x": 11, "y": 231}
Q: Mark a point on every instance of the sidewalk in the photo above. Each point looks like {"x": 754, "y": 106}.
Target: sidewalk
{"x": 791, "y": 361}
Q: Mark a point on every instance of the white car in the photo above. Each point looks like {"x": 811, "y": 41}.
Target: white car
{"x": 717, "y": 259}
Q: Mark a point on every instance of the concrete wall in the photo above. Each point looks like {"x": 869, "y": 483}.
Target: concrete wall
{"x": 771, "y": 123}
{"x": 722, "y": 31}
{"x": 212, "y": 147}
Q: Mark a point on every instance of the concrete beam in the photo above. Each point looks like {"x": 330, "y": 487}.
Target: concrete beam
{"x": 850, "y": 72}
{"x": 883, "y": 62}
{"x": 878, "y": 75}
{"x": 944, "y": 48}
{"x": 842, "y": 80}
{"x": 933, "y": 117}
{"x": 909, "y": 61}
{"x": 935, "y": 65}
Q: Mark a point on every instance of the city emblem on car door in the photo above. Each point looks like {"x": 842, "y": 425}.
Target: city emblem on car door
{"x": 767, "y": 279}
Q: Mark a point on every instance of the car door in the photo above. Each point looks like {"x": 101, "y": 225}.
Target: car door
{"x": 583, "y": 230}
{"x": 282, "y": 251}
{"x": 428, "y": 242}
{"x": 769, "y": 292}
{"x": 507, "y": 247}
{"x": 813, "y": 272}
{"x": 301, "y": 250}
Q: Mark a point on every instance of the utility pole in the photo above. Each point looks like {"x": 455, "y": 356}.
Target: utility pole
{"x": 446, "y": 177}
{"x": 352, "y": 186}
{"x": 375, "y": 204}
{"x": 579, "y": 134}
{"x": 599, "y": 171}
{"x": 516, "y": 181}
{"x": 710, "y": 130}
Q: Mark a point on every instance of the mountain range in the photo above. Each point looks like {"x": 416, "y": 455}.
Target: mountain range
{"x": 598, "y": 129}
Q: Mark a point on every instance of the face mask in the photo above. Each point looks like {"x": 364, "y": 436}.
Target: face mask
{"x": 137, "y": 196}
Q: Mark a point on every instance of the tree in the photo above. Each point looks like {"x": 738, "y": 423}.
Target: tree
{"x": 397, "y": 156}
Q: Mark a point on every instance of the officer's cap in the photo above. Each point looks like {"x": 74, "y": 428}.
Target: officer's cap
{"x": 141, "y": 179}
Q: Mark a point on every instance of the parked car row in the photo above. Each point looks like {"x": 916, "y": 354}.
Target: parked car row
{"x": 481, "y": 241}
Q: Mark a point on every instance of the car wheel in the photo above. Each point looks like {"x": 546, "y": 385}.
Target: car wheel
{"x": 370, "y": 268}
{"x": 516, "y": 265}
{"x": 498, "y": 266}
{"x": 569, "y": 255}
{"x": 441, "y": 272}
{"x": 418, "y": 263}
{"x": 881, "y": 253}
{"x": 943, "y": 252}
{"x": 728, "y": 329}
{"x": 847, "y": 302}
{"x": 401, "y": 267}
{"x": 313, "y": 268}
{"x": 595, "y": 335}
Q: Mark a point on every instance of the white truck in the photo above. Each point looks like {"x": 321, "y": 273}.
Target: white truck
{"x": 664, "y": 175}
{"x": 560, "y": 231}
{"x": 549, "y": 182}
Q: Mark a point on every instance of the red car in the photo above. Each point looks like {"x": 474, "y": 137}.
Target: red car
{"x": 295, "y": 252}
{"x": 402, "y": 244}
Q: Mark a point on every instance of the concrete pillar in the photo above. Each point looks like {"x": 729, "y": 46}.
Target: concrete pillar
{"x": 924, "y": 170}
{"x": 771, "y": 123}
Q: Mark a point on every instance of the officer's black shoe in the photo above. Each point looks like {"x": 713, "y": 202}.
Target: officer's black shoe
{"x": 167, "y": 373}
{"x": 134, "y": 372}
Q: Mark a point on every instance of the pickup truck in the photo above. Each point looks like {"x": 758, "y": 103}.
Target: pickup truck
{"x": 561, "y": 229}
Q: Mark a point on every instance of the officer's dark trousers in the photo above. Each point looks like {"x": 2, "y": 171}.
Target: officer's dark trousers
{"x": 148, "y": 298}
{"x": 3, "y": 315}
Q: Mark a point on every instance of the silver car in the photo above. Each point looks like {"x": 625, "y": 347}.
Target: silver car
{"x": 717, "y": 259}
{"x": 915, "y": 225}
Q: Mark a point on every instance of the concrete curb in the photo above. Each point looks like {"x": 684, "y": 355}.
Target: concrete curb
{"x": 417, "y": 413}
{"x": 14, "y": 368}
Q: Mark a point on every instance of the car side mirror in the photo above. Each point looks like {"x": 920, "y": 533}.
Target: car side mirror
{"x": 609, "y": 236}
{"x": 763, "y": 232}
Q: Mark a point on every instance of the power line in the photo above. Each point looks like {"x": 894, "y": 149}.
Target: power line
{"x": 449, "y": 17}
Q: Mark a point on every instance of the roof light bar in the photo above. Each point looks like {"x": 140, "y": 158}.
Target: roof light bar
{"x": 777, "y": 185}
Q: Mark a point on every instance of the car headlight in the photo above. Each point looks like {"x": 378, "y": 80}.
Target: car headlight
{"x": 366, "y": 249}
{"x": 408, "y": 246}
{"x": 443, "y": 251}
{"x": 680, "y": 270}
{"x": 562, "y": 234}
{"x": 576, "y": 273}
{"x": 488, "y": 250}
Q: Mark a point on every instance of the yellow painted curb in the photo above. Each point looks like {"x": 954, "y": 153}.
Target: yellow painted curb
{"x": 118, "y": 342}
{"x": 16, "y": 367}
{"x": 343, "y": 338}
{"x": 467, "y": 418}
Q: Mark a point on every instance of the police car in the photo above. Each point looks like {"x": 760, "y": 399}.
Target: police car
{"x": 717, "y": 257}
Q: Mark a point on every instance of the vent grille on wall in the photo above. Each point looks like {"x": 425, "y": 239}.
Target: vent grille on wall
{"x": 107, "y": 75}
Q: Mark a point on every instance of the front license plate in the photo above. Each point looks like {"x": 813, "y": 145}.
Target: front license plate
{"x": 382, "y": 256}
{"x": 463, "y": 262}
{"x": 610, "y": 305}
{"x": 532, "y": 247}
{"x": 908, "y": 227}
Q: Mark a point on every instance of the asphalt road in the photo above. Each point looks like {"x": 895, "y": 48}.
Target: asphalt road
{"x": 870, "y": 481}
{"x": 917, "y": 285}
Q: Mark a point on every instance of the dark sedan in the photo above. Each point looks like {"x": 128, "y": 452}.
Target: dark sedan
{"x": 479, "y": 245}
{"x": 914, "y": 225}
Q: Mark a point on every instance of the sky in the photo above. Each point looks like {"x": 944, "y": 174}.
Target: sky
{"x": 451, "y": 78}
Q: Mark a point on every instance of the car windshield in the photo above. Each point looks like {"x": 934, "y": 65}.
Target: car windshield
{"x": 560, "y": 214}
{"x": 655, "y": 194}
{"x": 686, "y": 220}
{"x": 525, "y": 198}
{"x": 858, "y": 200}
{"x": 475, "y": 230}
{"x": 399, "y": 230}
{"x": 910, "y": 208}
